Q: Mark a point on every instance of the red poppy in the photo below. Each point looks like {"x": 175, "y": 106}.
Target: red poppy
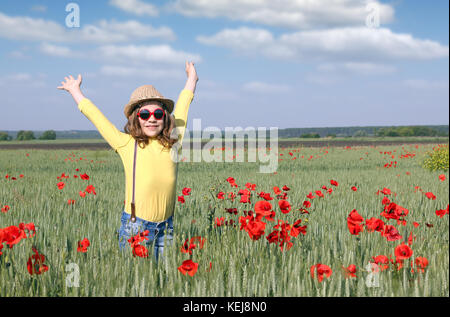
{"x": 84, "y": 176}
{"x": 297, "y": 229}
{"x": 220, "y": 195}
{"x": 391, "y": 233}
{"x": 442, "y": 177}
{"x": 354, "y": 188}
{"x": 186, "y": 191}
{"x": 28, "y": 227}
{"x": 385, "y": 201}
{"x": 12, "y": 235}
{"x": 354, "y": 221}
{"x": 285, "y": 188}
{"x": 83, "y": 245}
{"x": 285, "y": 206}
{"x": 140, "y": 251}
{"x": 310, "y": 196}
{"x": 394, "y": 211}
{"x": 250, "y": 186}
{"x": 411, "y": 239}
{"x": 35, "y": 263}
{"x": 231, "y": 195}
{"x": 232, "y": 210}
{"x": 421, "y": 263}
{"x": 187, "y": 247}
{"x": 415, "y": 224}
{"x": 5, "y": 209}
{"x": 442, "y": 212}
{"x": 82, "y": 194}
{"x": 188, "y": 267}
{"x": 219, "y": 221}
{"x": 386, "y": 191}
{"x": 382, "y": 261}
{"x": 334, "y": 183}
{"x": 374, "y": 224}
{"x": 181, "y": 199}
{"x": 90, "y": 189}
{"x": 138, "y": 238}
{"x": 430, "y": 195}
{"x": 245, "y": 199}
{"x": 70, "y": 201}
{"x": 350, "y": 271}
{"x": 273, "y": 236}
{"x": 321, "y": 270}
{"x": 277, "y": 190}
{"x": 319, "y": 193}
{"x": 265, "y": 196}
{"x": 60, "y": 185}
{"x": 254, "y": 227}
{"x": 306, "y": 204}
{"x": 403, "y": 252}
{"x": 263, "y": 208}
{"x": 270, "y": 217}
{"x": 232, "y": 182}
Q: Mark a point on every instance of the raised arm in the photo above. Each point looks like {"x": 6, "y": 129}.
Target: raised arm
{"x": 184, "y": 100}
{"x": 109, "y": 132}
{"x": 192, "y": 79}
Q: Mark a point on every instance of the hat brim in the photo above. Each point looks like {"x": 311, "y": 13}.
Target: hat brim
{"x": 129, "y": 108}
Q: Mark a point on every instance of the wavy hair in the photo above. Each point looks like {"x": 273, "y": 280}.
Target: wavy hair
{"x": 133, "y": 127}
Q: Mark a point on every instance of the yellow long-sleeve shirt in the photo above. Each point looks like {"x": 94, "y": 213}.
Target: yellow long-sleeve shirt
{"x": 156, "y": 171}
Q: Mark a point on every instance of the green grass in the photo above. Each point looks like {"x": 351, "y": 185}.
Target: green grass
{"x": 240, "y": 266}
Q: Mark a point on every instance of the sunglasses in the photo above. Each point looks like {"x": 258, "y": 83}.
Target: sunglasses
{"x": 145, "y": 114}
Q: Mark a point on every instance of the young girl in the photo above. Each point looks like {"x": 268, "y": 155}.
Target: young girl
{"x": 150, "y": 170}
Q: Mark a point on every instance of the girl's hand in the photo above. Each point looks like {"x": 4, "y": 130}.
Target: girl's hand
{"x": 191, "y": 72}
{"x": 71, "y": 85}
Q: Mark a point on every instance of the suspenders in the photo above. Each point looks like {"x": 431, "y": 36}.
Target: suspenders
{"x": 133, "y": 206}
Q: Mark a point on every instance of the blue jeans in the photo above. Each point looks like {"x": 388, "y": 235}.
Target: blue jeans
{"x": 160, "y": 233}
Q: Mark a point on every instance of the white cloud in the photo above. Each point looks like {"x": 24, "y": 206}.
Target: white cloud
{"x": 104, "y": 32}
{"x": 141, "y": 72}
{"x": 297, "y": 14}
{"x": 20, "y": 79}
{"x": 343, "y": 44}
{"x": 136, "y": 7}
{"x": 266, "y": 88}
{"x": 423, "y": 84}
{"x": 139, "y": 54}
{"x": 357, "y": 68}
{"x": 59, "y": 51}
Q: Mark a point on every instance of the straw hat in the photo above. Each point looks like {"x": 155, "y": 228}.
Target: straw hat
{"x": 145, "y": 93}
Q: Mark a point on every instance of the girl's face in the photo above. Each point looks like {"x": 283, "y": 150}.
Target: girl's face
{"x": 151, "y": 127}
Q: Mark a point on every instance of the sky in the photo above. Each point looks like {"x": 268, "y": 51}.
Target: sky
{"x": 260, "y": 63}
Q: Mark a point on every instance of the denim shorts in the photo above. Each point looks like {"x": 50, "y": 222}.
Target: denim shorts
{"x": 160, "y": 233}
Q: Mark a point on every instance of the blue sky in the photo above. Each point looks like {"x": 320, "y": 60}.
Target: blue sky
{"x": 261, "y": 63}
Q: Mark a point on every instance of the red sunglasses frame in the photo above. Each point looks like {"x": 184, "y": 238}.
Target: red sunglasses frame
{"x": 151, "y": 114}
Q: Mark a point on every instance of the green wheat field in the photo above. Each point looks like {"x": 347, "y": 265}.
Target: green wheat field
{"x": 230, "y": 264}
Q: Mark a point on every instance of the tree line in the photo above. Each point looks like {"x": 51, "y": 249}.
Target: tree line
{"x": 382, "y": 131}
{"x": 23, "y": 135}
